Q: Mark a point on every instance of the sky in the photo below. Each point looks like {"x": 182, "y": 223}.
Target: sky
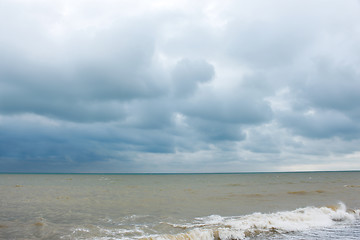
{"x": 179, "y": 86}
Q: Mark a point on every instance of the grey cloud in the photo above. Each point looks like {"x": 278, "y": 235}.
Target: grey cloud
{"x": 324, "y": 101}
{"x": 149, "y": 114}
{"x": 258, "y": 142}
{"x": 277, "y": 34}
{"x": 331, "y": 86}
{"x": 264, "y": 46}
{"x": 238, "y": 105}
{"x": 211, "y": 131}
{"x": 37, "y": 149}
{"x": 104, "y": 72}
{"x": 187, "y": 74}
{"x": 268, "y": 42}
{"x": 321, "y": 124}
{"x": 119, "y": 85}
{"x": 191, "y": 37}
{"x": 36, "y": 143}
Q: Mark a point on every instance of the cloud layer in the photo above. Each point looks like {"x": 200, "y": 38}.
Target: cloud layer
{"x": 177, "y": 86}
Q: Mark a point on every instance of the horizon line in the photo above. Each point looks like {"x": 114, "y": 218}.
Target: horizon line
{"x": 179, "y": 173}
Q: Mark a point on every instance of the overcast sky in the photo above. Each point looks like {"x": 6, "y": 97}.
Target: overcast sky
{"x": 179, "y": 86}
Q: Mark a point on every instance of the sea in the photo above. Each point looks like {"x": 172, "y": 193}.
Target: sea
{"x": 281, "y": 206}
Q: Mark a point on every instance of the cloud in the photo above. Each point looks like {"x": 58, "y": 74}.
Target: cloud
{"x": 333, "y": 86}
{"x": 169, "y": 86}
{"x": 35, "y": 144}
{"x": 321, "y": 124}
{"x": 187, "y": 74}
{"x": 102, "y": 73}
{"x": 237, "y": 105}
{"x": 214, "y": 132}
{"x": 324, "y": 102}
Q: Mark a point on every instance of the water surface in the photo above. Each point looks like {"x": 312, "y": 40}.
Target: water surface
{"x": 183, "y": 206}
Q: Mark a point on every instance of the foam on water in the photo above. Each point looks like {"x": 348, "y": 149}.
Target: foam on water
{"x": 228, "y": 228}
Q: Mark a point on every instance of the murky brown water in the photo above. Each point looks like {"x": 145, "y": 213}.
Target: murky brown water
{"x": 83, "y": 206}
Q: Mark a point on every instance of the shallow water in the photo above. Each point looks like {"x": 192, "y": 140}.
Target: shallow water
{"x": 184, "y": 206}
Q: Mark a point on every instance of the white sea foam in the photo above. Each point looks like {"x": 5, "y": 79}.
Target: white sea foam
{"x": 228, "y": 228}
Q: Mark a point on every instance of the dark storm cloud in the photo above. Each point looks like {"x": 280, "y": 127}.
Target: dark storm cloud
{"x": 35, "y": 144}
{"x": 37, "y": 148}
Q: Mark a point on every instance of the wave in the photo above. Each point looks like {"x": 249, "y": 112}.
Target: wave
{"x": 230, "y": 228}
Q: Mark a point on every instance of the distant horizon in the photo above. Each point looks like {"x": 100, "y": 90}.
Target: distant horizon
{"x": 171, "y": 173}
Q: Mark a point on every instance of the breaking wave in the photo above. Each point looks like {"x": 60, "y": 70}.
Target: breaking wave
{"x": 260, "y": 224}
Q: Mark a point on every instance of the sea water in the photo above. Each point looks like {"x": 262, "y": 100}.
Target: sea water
{"x": 314, "y": 205}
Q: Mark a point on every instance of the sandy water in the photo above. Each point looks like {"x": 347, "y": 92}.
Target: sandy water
{"x": 182, "y": 206}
